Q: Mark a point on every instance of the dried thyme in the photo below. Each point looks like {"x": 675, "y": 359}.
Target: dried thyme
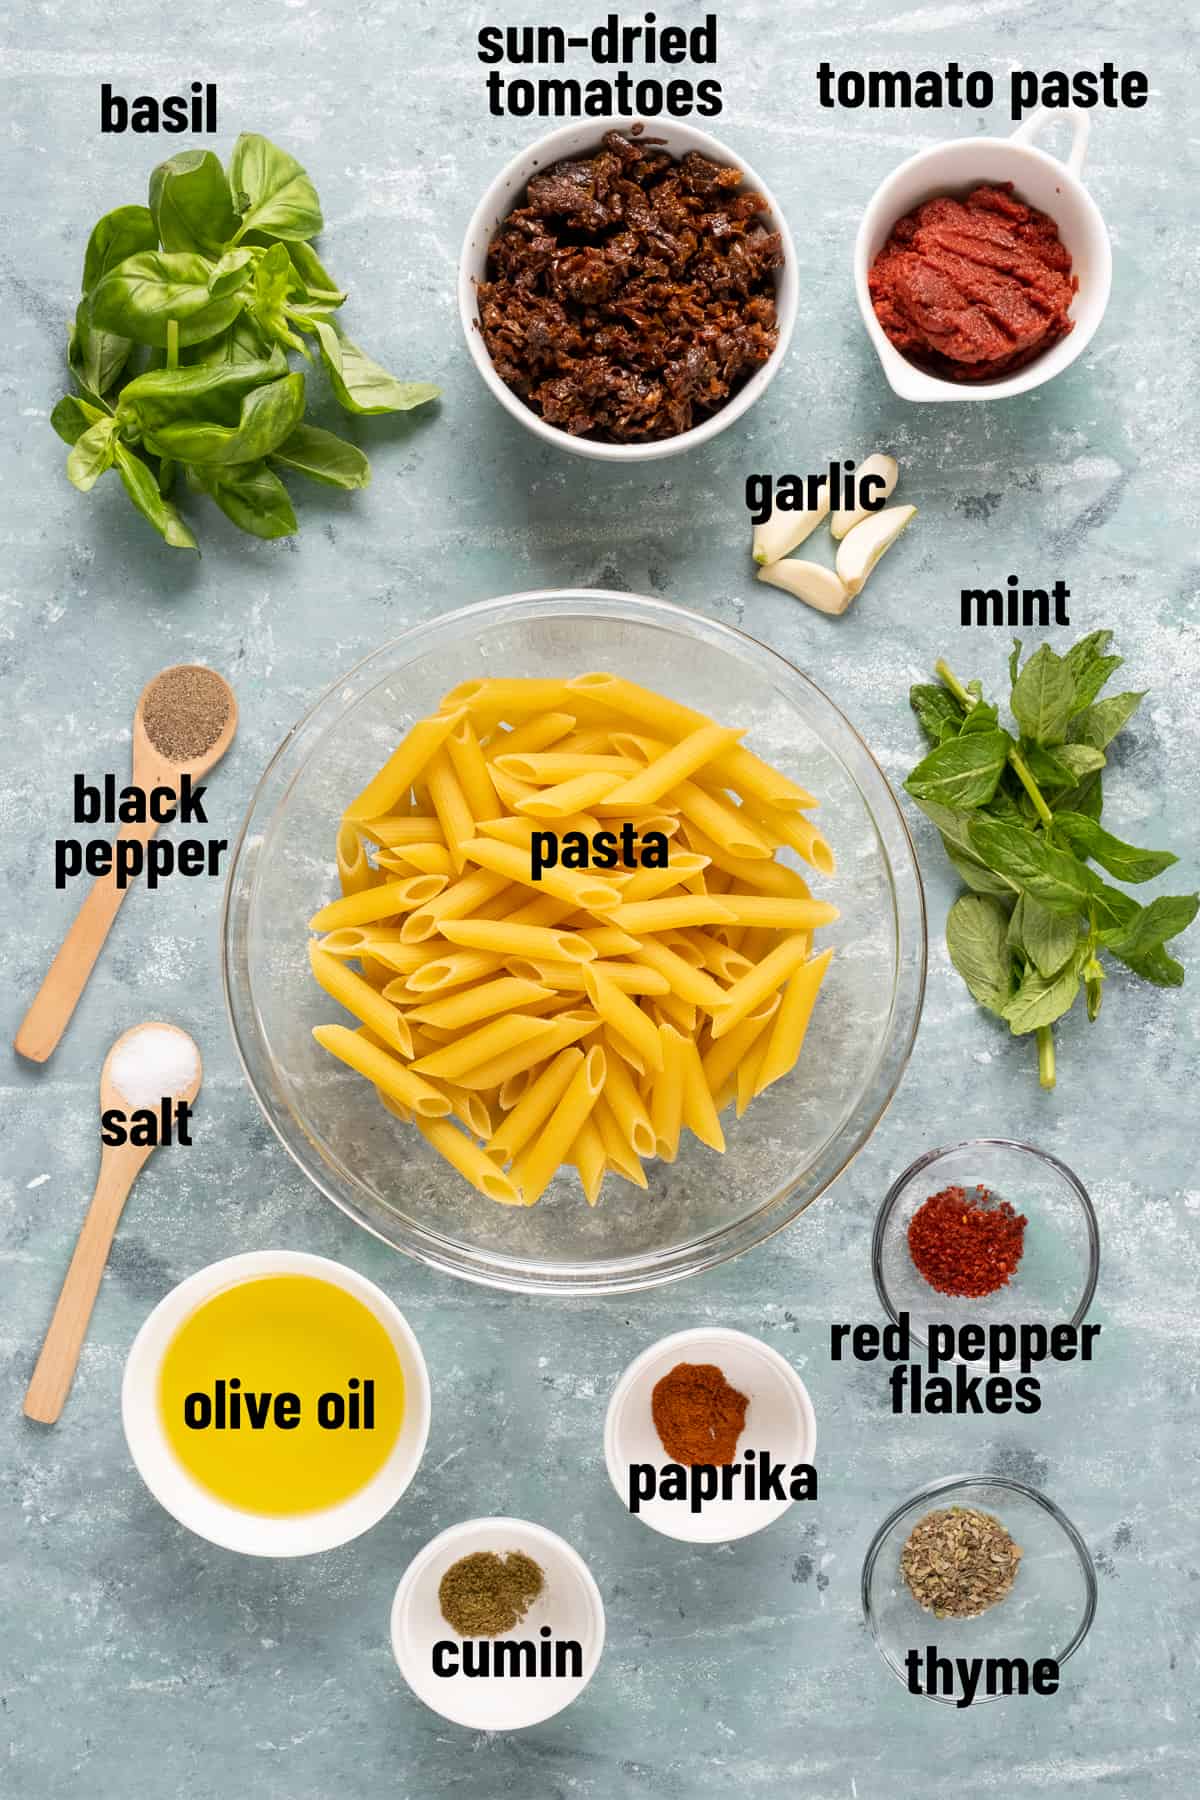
{"x": 958, "y": 1562}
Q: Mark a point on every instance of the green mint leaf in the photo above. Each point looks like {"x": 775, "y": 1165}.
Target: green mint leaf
{"x": 1048, "y": 939}
{"x": 976, "y": 937}
{"x": 1040, "y": 999}
{"x": 938, "y": 711}
{"x": 963, "y": 772}
{"x": 1093, "y": 679}
{"x": 1127, "y": 863}
{"x": 1042, "y": 697}
{"x": 1055, "y": 877}
{"x": 1014, "y": 661}
{"x": 1098, "y": 725}
{"x": 1150, "y": 926}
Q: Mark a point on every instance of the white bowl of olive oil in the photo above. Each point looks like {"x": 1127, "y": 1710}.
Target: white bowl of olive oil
{"x": 276, "y": 1403}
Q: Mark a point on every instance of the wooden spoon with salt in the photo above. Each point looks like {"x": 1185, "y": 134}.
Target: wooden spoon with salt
{"x": 183, "y": 724}
{"x": 142, "y": 1059}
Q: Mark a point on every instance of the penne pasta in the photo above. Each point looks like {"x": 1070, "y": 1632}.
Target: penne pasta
{"x": 354, "y": 871}
{"x": 566, "y": 1029}
{"x": 489, "y": 1042}
{"x": 409, "y": 759}
{"x": 671, "y": 913}
{"x": 459, "y": 1010}
{"x": 763, "y": 979}
{"x": 359, "y": 997}
{"x": 383, "y": 1070}
{"x": 535, "y": 1167}
{"x": 666, "y": 1095}
{"x": 470, "y": 1161}
{"x": 471, "y": 771}
{"x": 535, "y": 1106}
{"x": 376, "y": 903}
{"x": 506, "y": 939}
{"x": 589, "y": 1157}
{"x": 450, "y": 805}
{"x": 791, "y": 1021}
{"x": 589, "y": 892}
{"x": 625, "y": 1017}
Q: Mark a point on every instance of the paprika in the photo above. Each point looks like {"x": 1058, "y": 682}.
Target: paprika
{"x": 966, "y": 1244}
{"x": 698, "y": 1415}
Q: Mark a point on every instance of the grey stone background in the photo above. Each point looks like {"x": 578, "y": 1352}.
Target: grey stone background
{"x": 137, "y": 1660}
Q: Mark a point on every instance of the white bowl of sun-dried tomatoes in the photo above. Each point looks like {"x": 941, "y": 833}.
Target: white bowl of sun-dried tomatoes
{"x": 628, "y": 292}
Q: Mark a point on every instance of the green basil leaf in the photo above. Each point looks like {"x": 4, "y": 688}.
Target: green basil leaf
{"x": 360, "y": 384}
{"x": 318, "y": 284}
{"x": 323, "y": 457}
{"x": 253, "y": 496}
{"x": 1047, "y": 938}
{"x": 938, "y": 711}
{"x": 963, "y": 772}
{"x": 139, "y": 296}
{"x": 234, "y": 271}
{"x": 1098, "y": 725}
{"x": 1040, "y": 999}
{"x": 95, "y": 358}
{"x": 202, "y": 392}
{"x": 1127, "y": 863}
{"x": 274, "y": 279}
{"x": 271, "y": 190}
{"x": 191, "y": 203}
{"x": 72, "y": 417}
{"x": 91, "y": 454}
{"x": 1150, "y": 926}
{"x": 268, "y": 413}
{"x": 1042, "y": 697}
{"x": 976, "y": 937}
{"x": 142, "y": 489}
{"x": 123, "y": 232}
{"x": 241, "y": 342}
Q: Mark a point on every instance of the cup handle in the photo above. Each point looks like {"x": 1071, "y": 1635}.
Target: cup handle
{"x": 1080, "y": 129}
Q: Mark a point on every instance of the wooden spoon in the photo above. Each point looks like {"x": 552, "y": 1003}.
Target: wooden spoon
{"x": 56, "y": 999}
{"x": 119, "y": 1167}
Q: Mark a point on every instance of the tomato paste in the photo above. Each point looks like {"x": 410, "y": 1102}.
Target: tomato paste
{"x": 974, "y": 289}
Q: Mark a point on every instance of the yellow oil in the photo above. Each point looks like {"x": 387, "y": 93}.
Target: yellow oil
{"x": 281, "y": 1334}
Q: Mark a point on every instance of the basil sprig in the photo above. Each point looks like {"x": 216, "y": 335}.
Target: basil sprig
{"x": 180, "y": 342}
{"x": 1019, "y": 816}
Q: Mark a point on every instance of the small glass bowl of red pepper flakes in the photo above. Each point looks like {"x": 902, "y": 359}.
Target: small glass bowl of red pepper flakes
{"x": 990, "y": 1229}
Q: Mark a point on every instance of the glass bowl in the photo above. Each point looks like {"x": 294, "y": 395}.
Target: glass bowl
{"x": 701, "y": 1209}
{"x": 1055, "y": 1280}
{"x": 1048, "y": 1611}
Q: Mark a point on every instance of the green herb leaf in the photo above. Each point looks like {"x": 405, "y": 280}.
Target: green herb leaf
{"x": 139, "y": 296}
{"x": 962, "y": 773}
{"x": 241, "y": 342}
{"x": 1042, "y": 697}
{"x": 210, "y": 392}
{"x": 271, "y": 190}
{"x": 142, "y": 489}
{"x": 982, "y": 717}
{"x": 120, "y": 233}
{"x": 268, "y": 414}
{"x": 72, "y": 417}
{"x": 191, "y": 203}
{"x": 939, "y": 713}
{"x": 1150, "y": 926}
{"x": 1087, "y": 838}
{"x": 1098, "y": 725}
{"x": 1014, "y": 661}
{"x": 980, "y": 879}
{"x": 323, "y": 457}
{"x": 1055, "y": 877}
{"x": 976, "y": 937}
{"x": 253, "y": 496}
{"x": 91, "y": 454}
{"x": 314, "y": 278}
{"x": 1047, "y": 938}
{"x": 1040, "y": 1000}
{"x": 360, "y": 384}
{"x": 1093, "y": 679}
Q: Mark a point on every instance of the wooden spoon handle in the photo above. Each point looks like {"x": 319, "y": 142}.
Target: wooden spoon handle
{"x": 65, "y": 979}
{"x": 51, "y": 1380}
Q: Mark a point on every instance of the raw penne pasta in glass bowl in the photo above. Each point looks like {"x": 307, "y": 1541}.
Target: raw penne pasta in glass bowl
{"x": 468, "y": 1016}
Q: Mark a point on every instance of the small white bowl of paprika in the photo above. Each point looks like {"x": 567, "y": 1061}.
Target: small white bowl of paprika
{"x": 767, "y": 1468}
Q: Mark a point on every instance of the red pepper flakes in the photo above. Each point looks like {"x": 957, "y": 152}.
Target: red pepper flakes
{"x": 966, "y": 1244}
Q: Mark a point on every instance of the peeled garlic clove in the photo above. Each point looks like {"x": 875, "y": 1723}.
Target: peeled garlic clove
{"x": 847, "y": 518}
{"x": 862, "y": 548}
{"x": 809, "y": 582}
{"x": 783, "y": 531}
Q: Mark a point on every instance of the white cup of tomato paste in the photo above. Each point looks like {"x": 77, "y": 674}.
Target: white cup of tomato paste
{"x": 507, "y": 191}
{"x": 1040, "y": 180}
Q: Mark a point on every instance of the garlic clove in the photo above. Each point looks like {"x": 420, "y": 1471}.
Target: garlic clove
{"x": 847, "y": 518}
{"x": 807, "y": 581}
{"x": 783, "y": 531}
{"x": 862, "y": 547}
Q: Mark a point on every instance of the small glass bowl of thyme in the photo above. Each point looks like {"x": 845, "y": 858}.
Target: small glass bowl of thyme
{"x": 1035, "y": 1604}
{"x": 1056, "y": 1266}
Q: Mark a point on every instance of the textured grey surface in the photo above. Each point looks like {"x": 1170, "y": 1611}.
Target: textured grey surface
{"x": 136, "y": 1659}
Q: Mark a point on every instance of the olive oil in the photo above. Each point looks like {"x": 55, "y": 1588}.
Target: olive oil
{"x": 282, "y": 1395}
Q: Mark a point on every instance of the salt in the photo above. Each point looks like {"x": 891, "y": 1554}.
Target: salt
{"x": 152, "y": 1063}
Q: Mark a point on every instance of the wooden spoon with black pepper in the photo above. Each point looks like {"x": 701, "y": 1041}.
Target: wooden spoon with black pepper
{"x": 183, "y": 724}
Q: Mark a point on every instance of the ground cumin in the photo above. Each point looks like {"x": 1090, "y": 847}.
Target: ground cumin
{"x": 698, "y": 1416}
{"x": 484, "y": 1594}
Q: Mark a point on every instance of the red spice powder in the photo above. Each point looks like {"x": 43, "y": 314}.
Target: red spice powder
{"x": 966, "y": 1244}
{"x": 698, "y": 1415}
